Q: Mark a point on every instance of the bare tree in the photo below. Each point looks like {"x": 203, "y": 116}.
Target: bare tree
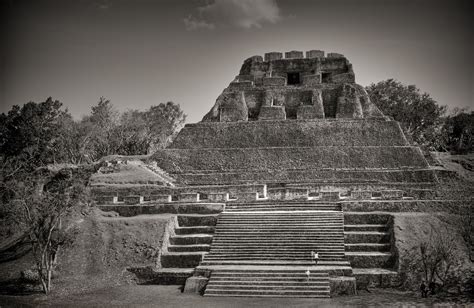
{"x": 42, "y": 214}
{"x": 438, "y": 255}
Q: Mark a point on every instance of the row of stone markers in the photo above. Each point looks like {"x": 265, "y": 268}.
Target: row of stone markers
{"x": 280, "y": 194}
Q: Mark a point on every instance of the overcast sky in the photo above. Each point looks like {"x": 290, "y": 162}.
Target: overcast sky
{"x": 139, "y": 53}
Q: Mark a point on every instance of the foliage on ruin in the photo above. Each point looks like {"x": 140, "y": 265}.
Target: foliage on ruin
{"x": 458, "y": 131}
{"x": 423, "y": 119}
{"x": 132, "y": 132}
{"x": 38, "y": 134}
{"x": 419, "y": 114}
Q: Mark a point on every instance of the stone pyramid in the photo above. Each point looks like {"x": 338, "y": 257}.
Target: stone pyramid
{"x": 294, "y": 120}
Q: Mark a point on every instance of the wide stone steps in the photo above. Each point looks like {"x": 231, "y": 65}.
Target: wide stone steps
{"x": 281, "y": 262}
{"x": 277, "y": 235}
{"x": 308, "y": 222}
{"x": 268, "y": 283}
{"x": 240, "y": 208}
{"x": 271, "y": 248}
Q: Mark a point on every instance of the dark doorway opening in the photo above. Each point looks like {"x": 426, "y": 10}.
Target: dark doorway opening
{"x": 325, "y": 77}
{"x": 293, "y": 78}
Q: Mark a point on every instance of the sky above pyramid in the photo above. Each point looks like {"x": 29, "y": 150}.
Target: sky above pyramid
{"x": 141, "y": 53}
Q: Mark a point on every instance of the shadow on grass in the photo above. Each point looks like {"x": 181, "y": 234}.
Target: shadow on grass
{"x": 19, "y": 287}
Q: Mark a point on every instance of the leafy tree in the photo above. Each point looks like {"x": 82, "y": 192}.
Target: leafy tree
{"x": 459, "y": 131}
{"x": 134, "y": 132}
{"x": 29, "y": 135}
{"x": 164, "y": 122}
{"x": 99, "y": 129}
{"x": 419, "y": 114}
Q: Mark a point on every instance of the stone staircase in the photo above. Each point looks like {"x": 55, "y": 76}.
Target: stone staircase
{"x": 266, "y": 250}
{"x": 268, "y": 283}
{"x": 282, "y": 206}
{"x": 368, "y": 247}
{"x": 187, "y": 243}
{"x": 285, "y": 237}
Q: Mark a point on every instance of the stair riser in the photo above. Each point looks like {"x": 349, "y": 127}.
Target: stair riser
{"x": 366, "y": 238}
{"x": 191, "y": 221}
{"x": 366, "y": 228}
{"x": 362, "y": 219}
{"x": 383, "y": 247}
{"x": 188, "y": 248}
{"x": 371, "y": 261}
{"x": 196, "y": 230}
{"x": 190, "y": 240}
{"x": 180, "y": 261}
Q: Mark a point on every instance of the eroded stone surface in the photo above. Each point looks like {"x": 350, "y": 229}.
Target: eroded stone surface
{"x": 290, "y": 82}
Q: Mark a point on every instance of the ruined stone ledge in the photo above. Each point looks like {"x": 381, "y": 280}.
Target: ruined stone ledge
{"x": 343, "y": 286}
{"x": 451, "y": 206}
{"x": 376, "y": 278}
{"x": 317, "y": 177}
{"x": 165, "y": 276}
{"x": 176, "y": 161}
{"x": 287, "y": 133}
{"x": 168, "y": 208}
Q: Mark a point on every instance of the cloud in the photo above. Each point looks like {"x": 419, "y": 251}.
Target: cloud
{"x": 244, "y": 14}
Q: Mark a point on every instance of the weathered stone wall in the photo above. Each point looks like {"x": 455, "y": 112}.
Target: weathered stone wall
{"x": 317, "y": 177}
{"x": 206, "y": 160}
{"x": 290, "y": 133}
{"x": 287, "y": 82}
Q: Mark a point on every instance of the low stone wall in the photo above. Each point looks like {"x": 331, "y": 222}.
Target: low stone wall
{"x": 451, "y": 206}
{"x": 288, "y": 194}
{"x": 106, "y": 193}
{"x": 172, "y": 208}
{"x": 276, "y": 194}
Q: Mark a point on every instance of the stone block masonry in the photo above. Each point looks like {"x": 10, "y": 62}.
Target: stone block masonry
{"x": 294, "y": 55}
{"x": 272, "y": 113}
{"x": 271, "y": 56}
{"x": 315, "y": 54}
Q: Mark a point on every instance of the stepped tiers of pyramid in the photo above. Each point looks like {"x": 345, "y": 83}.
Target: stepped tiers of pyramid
{"x": 292, "y": 160}
{"x": 294, "y": 120}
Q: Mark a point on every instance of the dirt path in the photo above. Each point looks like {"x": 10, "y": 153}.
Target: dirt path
{"x": 171, "y": 296}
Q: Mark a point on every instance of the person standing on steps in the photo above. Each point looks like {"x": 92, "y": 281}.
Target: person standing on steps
{"x": 315, "y": 256}
{"x": 308, "y": 273}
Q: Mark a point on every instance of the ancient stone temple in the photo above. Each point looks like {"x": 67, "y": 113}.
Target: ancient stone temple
{"x": 291, "y": 161}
